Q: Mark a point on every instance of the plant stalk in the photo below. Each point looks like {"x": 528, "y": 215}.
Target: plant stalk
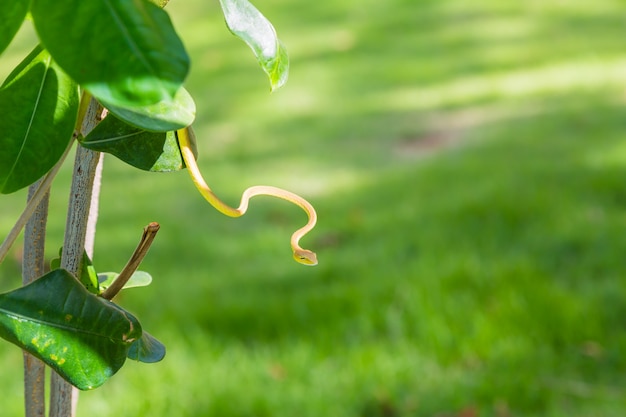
{"x": 149, "y": 233}
{"x": 63, "y": 396}
{"x": 33, "y": 266}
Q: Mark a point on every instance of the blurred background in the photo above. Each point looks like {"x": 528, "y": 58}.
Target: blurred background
{"x": 468, "y": 163}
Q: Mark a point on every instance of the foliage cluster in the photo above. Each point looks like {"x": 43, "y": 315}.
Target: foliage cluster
{"x": 127, "y": 58}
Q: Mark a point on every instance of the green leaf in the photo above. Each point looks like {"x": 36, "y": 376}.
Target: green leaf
{"x": 126, "y": 53}
{"x": 137, "y": 279}
{"x": 150, "y": 151}
{"x": 88, "y": 275}
{"x": 248, "y": 24}
{"x": 160, "y": 3}
{"x": 13, "y": 13}
{"x": 147, "y": 349}
{"x": 39, "y": 106}
{"x": 83, "y": 337}
{"x": 170, "y": 114}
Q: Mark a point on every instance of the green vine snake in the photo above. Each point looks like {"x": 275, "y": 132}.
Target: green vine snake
{"x": 303, "y": 256}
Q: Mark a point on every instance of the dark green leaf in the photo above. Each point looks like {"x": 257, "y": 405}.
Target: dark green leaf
{"x": 248, "y": 24}
{"x": 137, "y": 279}
{"x": 150, "y": 151}
{"x": 83, "y": 337}
{"x": 39, "y": 106}
{"x": 126, "y": 53}
{"x": 13, "y": 13}
{"x": 147, "y": 349}
{"x": 166, "y": 115}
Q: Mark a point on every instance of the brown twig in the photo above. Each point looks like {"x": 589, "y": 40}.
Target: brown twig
{"x": 149, "y": 233}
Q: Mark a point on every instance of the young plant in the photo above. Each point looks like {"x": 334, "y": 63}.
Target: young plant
{"x": 109, "y": 75}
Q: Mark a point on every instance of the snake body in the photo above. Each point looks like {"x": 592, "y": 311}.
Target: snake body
{"x": 303, "y": 256}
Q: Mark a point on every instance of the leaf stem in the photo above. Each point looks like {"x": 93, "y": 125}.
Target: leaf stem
{"x": 149, "y": 233}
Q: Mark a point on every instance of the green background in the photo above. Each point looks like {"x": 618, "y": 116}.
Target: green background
{"x": 468, "y": 163}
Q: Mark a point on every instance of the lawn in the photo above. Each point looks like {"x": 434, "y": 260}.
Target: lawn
{"x": 468, "y": 164}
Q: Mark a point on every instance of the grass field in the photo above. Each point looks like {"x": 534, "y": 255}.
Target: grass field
{"x": 468, "y": 164}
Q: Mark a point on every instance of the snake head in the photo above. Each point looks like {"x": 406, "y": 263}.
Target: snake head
{"x": 305, "y": 257}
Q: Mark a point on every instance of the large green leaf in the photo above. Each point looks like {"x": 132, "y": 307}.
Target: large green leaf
{"x": 150, "y": 151}
{"x": 83, "y": 337}
{"x": 248, "y": 24}
{"x": 38, "y": 108}
{"x": 12, "y": 14}
{"x": 125, "y": 52}
{"x": 170, "y": 114}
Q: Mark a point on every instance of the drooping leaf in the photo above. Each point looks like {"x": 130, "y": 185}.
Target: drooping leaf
{"x": 39, "y": 106}
{"x": 13, "y": 13}
{"x": 83, "y": 337}
{"x": 126, "y": 53}
{"x": 248, "y": 24}
{"x": 166, "y": 115}
{"x": 147, "y": 349}
{"x": 150, "y": 151}
{"x": 137, "y": 279}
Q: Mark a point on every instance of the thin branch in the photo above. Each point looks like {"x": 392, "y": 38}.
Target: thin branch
{"x": 62, "y": 394}
{"x": 33, "y": 266}
{"x": 149, "y": 233}
{"x": 90, "y": 236}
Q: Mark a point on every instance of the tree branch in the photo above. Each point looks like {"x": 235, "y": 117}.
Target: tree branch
{"x": 33, "y": 266}
{"x": 62, "y": 394}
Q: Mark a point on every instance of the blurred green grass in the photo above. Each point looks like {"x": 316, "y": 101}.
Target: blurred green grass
{"x": 467, "y": 160}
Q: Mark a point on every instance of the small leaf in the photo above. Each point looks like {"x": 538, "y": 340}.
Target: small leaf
{"x": 170, "y": 114}
{"x": 248, "y": 24}
{"x": 137, "y": 279}
{"x": 150, "y": 151}
{"x": 55, "y": 263}
{"x": 160, "y": 3}
{"x": 83, "y": 337}
{"x": 126, "y": 53}
{"x": 146, "y": 349}
{"x": 13, "y": 13}
{"x": 88, "y": 275}
{"x": 39, "y": 106}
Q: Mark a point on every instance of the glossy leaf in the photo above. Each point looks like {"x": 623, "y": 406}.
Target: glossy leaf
{"x": 166, "y": 115}
{"x": 13, "y": 13}
{"x": 150, "y": 151}
{"x": 83, "y": 337}
{"x": 39, "y": 106}
{"x": 147, "y": 349}
{"x": 248, "y": 24}
{"x": 137, "y": 279}
{"x": 125, "y": 52}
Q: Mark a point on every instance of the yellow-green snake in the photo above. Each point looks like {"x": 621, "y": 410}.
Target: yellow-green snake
{"x": 303, "y": 256}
